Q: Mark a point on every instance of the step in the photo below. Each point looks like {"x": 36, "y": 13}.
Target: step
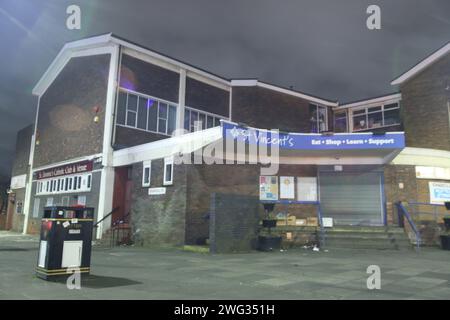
{"x": 380, "y": 229}
{"x": 368, "y": 243}
{"x": 364, "y": 235}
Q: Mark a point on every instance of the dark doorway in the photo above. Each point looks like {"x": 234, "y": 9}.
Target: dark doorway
{"x": 123, "y": 186}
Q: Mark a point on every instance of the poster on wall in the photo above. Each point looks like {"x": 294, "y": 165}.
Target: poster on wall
{"x": 306, "y": 188}
{"x": 268, "y": 188}
{"x": 439, "y": 192}
{"x": 287, "y": 188}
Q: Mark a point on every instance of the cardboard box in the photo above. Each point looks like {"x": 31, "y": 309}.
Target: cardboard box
{"x": 281, "y": 222}
{"x": 300, "y": 222}
{"x": 312, "y": 222}
{"x": 291, "y": 220}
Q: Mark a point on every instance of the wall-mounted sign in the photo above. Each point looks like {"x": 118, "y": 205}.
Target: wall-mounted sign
{"x": 156, "y": 191}
{"x": 268, "y": 188}
{"x": 301, "y": 141}
{"x": 287, "y": 188}
{"x": 18, "y": 182}
{"x": 439, "y": 192}
{"x": 73, "y": 168}
{"x": 432, "y": 173}
{"x": 306, "y": 188}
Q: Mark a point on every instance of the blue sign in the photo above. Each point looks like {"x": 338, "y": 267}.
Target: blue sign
{"x": 302, "y": 141}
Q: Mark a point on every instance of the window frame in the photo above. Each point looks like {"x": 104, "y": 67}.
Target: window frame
{"x": 168, "y": 161}
{"x": 199, "y": 112}
{"x": 146, "y": 165}
{"x": 66, "y": 184}
{"x": 158, "y": 101}
{"x": 318, "y": 118}
{"x": 366, "y": 113}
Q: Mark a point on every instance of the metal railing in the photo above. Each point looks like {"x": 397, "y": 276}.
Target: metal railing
{"x": 102, "y": 219}
{"x": 403, "y": 212}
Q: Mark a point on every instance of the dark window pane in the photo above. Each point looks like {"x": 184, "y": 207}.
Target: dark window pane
{"x": 340, "y": 122}
{"x": 362, "y": 111}
{"x": 392, "y": 117}
{"x": 359, "y": 122}
{"x": 152, "y": 107}
{"x": 162, "y": 126}
{"x": 391, "y": 106}
{"x": 202, "y": 119}
{"x": 132, "y": 102}
{"x": 194, "y": 119}
{"x": 322, "y": 120}
{"x": 89, "y": 181}
{"x": 172, "y": 119}
{"x": 168, "y": 172}
{"x": 146, "y": 175}
{"x": 216, "y": 122}
{"x": 79, "y": 182}
{"x": 131, "y": 119}
{"x": 162, "y": 110}
{"x": 375, "y": 120}
{"x": 210, "y": 122}
{"x": 313, "y": 118}
{"x": 186, "y": 120}
{"x": 374, "y": 109}
{"x": 121, "y": 108}
{"x": 142, "y": 114}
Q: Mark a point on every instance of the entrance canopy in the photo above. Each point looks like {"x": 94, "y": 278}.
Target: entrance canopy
{"x": 284, "y": 147}
{"x": 320, "y": 149}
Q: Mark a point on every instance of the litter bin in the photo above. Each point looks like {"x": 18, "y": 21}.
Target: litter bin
{"x": 65, "y": 242}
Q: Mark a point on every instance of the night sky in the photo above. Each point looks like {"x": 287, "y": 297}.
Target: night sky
{"x": 319, "y": 47}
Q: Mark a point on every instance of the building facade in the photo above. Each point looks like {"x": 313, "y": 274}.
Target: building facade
{"x": 113, "y": 118}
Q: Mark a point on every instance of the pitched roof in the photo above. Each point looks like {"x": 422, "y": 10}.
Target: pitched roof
{"x": 422, "y": 64}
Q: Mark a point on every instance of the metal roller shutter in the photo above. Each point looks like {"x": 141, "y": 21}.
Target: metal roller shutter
{"x": 353, "y": 198}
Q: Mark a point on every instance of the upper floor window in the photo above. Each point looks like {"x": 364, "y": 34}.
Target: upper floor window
{"x": 340, "y": 121}
{"x": 318, "y": 117}
{"x": 146, "y": 113}
{"x": 195, "y": 120}
{"x": 69, "y": 184}
{"x": 376, "y": 117}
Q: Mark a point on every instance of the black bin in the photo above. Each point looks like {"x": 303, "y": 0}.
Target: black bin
{"x": 65, "y": 242}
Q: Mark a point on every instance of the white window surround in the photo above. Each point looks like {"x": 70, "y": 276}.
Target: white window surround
{"x": 65, "y": 184}
{"x": 146, "y": 166}
{"x": 318, "y": 107}
{"x": 168, "y": 162}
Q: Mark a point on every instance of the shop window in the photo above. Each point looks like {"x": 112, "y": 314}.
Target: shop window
{"x": 146, "y": 113}
{"x": 168, "y": 171}
{"x": 195, "y": 120}
{"x": 318, "y": 118}
{"x": 340, "y": 121}
{"x": 146, "y": 173}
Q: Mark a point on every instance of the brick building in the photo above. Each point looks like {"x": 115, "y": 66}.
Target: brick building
{"x": 113, "y": 117}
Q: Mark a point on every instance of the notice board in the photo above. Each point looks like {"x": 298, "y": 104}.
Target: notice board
{"x": 306, "y": 188}
{"x": 268, "y": 188}
{"x": 287, "y": 188}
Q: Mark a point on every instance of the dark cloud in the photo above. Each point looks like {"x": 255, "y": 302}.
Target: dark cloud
{"x": 317, "y": 46}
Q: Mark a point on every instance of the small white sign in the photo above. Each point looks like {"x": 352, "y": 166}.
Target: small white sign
{"x": 156, "y": 191}
{"x": 66, "y": 224}
{"x": 327, "y": 222}
{"x": 432, "y": 173}
{"x": 18, "y": 182}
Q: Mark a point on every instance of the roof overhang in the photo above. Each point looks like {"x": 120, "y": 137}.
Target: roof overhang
{"x": 390, "y": 98}
{"x": 422, "y": 65}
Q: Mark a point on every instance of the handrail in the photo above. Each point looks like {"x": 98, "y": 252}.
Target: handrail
{"x": 404, "y": 212}
{"x": 427, "y": 204}
{"x": 112, "y": 211}
{"x": 120, "y": 219}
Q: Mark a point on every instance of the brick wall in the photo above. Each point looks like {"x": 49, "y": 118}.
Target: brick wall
{"x": 263, "y": 108}
{"x": 22, "y": 153}
{"x": 129, "y": 137}
{"x": 65, "y": 127}
{"x": 143, "y": 77}
{"x": 424, "y": 107}
{"x": 234, "y": 221}
{"x": 202, "y": 96}
{"x": 159, "y": 219}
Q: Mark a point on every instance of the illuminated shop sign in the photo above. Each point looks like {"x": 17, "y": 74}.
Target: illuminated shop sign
{"x": 313, "y": 141}
{"x": 73, "y": 168}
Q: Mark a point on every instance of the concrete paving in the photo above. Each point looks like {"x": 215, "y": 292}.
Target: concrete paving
{"x": 141, "y": 273}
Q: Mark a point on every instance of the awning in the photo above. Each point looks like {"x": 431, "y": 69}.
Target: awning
{"x": 292, "y": 148}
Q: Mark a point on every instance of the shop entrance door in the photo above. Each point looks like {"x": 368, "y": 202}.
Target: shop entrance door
{"x": 352, "y": 198}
